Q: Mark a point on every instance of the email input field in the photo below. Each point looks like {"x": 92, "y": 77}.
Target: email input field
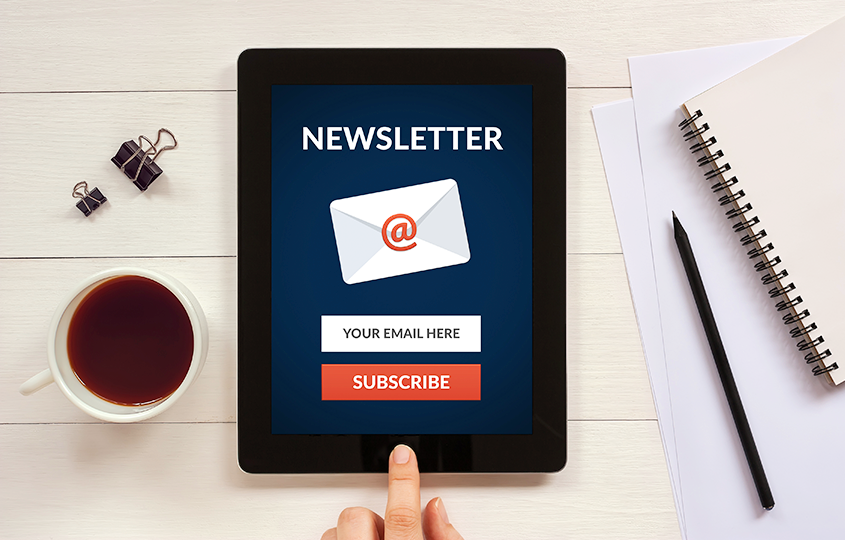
{"x": 400, "y": 333}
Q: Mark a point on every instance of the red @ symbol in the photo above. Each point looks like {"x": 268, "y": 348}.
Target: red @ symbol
{"x": 399, "y": 232}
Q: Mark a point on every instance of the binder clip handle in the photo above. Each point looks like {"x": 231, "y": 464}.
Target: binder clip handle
{"x": 80, "y": 190}
{"x": 159, "y": 151}
{"x": 153, "y": 151}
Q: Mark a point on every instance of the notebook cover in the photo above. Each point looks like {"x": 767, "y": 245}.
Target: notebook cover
{"x": 780, "y": 124}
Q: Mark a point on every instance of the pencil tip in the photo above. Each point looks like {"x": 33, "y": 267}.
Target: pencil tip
{"x": 769, "y": 508}
{"x": 673, "y": 215}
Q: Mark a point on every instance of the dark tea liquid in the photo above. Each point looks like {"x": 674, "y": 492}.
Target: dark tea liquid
{"x": 130, "y": 341}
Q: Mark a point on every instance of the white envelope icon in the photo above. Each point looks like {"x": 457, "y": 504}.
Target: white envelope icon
{"x": 400, "y": 231}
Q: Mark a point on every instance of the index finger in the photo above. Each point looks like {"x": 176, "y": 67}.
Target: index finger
{"x": 402, "y": 519}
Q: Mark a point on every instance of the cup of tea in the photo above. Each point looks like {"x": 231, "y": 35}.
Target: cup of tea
{"x": 124, "y": 345}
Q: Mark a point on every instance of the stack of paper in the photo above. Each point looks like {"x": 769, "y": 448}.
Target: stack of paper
{"x": 795, "y": 417}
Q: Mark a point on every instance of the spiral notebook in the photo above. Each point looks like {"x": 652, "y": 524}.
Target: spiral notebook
{"x": 770, "y": 147}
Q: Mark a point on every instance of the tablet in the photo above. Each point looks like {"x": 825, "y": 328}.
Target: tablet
{"x": 401, "y": 259}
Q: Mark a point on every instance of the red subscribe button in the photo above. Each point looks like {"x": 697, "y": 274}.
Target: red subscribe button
{"x": 410, "y": 382}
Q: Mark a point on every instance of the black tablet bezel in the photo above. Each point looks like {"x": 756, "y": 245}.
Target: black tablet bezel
{"x": 260, "y": 451}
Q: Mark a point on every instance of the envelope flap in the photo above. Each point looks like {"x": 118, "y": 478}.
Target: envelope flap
{"x": 375, "y": 208}
{"x": 357, "y": 242}
{"x": 443, "y": 225}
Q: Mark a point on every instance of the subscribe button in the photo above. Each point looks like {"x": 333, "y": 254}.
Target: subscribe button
{"x": 410, "y": 382}
{"x": 400, "y": 333}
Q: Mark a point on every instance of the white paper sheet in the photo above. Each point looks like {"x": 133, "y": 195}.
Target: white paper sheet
{"x": 795, "y": 418}
{"x": 616, "y": 130}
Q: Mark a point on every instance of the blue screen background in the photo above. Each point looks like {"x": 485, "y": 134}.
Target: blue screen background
{"x": 496, "y": 283}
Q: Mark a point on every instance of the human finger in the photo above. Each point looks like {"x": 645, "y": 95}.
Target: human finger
{"x": 330, "y": 534}
{"x": 436, "y": 524}
{"x": 359, "y": 524}
{"x": 402, "y": 517}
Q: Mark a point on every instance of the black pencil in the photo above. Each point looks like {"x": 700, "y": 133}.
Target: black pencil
{"x": 722, "y": 366}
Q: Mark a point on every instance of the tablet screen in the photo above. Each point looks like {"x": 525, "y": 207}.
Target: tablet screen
{"x": 401, "y": 289}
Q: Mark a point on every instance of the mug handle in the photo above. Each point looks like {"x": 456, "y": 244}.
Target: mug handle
{"x": 37, "y": 382}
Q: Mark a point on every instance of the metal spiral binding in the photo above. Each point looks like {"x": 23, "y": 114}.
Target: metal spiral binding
{"x": 767, "y": 264}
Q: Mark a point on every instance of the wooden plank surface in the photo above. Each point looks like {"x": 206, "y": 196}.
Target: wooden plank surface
{"x": 590, "y": 226}
{"x": 108, "y": 46}
{"x": 49, "y": 142}
{"x": 182, "y": 481}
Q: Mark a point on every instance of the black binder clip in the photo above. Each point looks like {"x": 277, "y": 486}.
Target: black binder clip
{"x": 139, "y": 164}
{"x": 90, "y": 200}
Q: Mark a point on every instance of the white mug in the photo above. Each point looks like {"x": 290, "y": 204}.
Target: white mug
{"x": 59, "y": 368}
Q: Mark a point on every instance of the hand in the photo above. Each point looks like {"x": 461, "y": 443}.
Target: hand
{"x": 402, "y": 518}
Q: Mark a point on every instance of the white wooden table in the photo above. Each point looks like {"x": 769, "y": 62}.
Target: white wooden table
{"x": 79, "y": 78}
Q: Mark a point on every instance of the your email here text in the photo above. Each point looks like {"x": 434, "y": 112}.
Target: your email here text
{"x": 402, "y": 333}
